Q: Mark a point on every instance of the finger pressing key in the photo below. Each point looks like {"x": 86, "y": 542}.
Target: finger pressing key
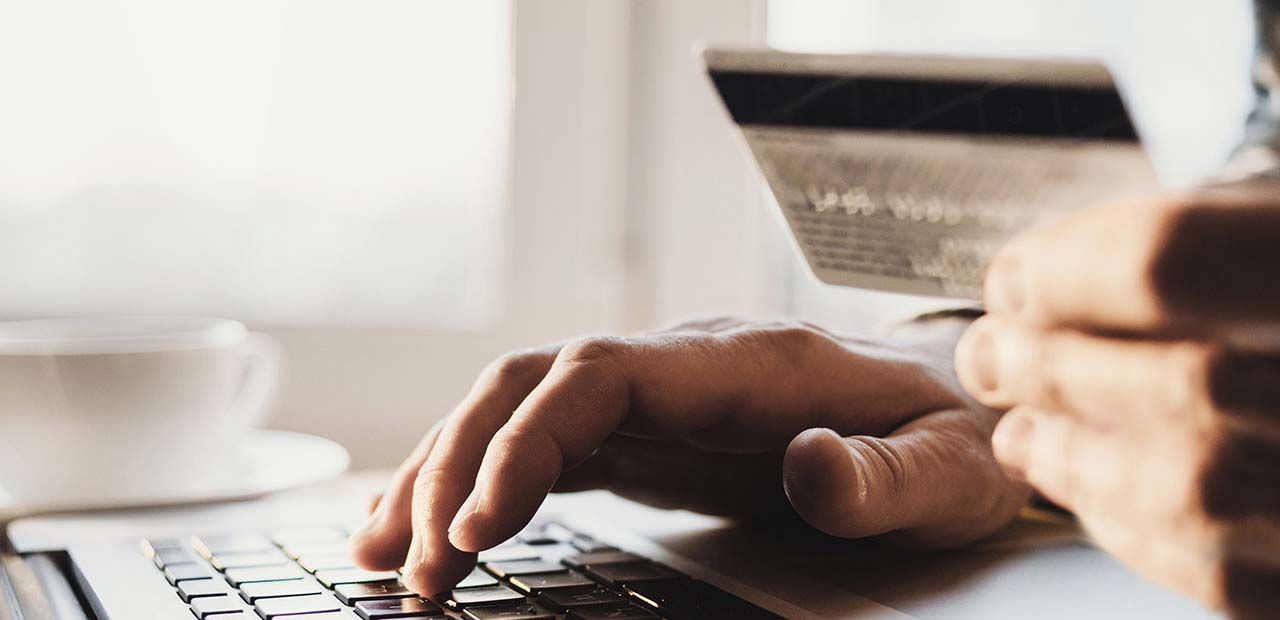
{"x": 446, "y": 477}
{"x": 383, "y": 541}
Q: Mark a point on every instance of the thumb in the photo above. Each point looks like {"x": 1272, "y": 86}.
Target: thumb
{"x": 932, "y": 483}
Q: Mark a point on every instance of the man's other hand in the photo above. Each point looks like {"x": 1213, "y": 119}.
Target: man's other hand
{"x": 1136, "y": 345}
{"x": 859, "y": 437}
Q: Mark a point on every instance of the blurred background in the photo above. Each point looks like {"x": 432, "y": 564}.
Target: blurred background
{"x": 401, "y": 190}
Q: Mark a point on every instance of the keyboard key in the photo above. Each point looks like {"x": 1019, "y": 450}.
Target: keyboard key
{"x": 521, "y": 567}
{"x": 535, "y": 539}
{"x": 254, "y": 592}
{"x": 492, "y": 595}
{"x": 217, "y": 606}
{"x": 629, "y": 612}
{"x": 533, "y": 584}
{"x": 312, "y": 563}
{"x": 270, "y": 608}
{"x": 331, "y": 578}
{"x": 186, "y": 572}
{"x": 544, "y": 534}
{"x": 688, "y": 599}
{"x": 398, "y": 608}
{"x": 559, "y": 532}
{"x": 510, "y": 553}
{"x": 164, "y": 558}
{"x": 202, "y": 587}
{"x": 586, "y": 544}
{"x": 507, "y": 612}
{"x": 150, "y": 546}
{"x": 569, "y": 599}
{"x": 476, "y": 579}
{"x": 556, "y": 553}
{"x": 297, "y": 535}
{"x": 601, "y": 558}
{"x": 352, "y": 593}
{"x": 209, "y": 546}
{"x": 223, "y": 561}
{"x": 614, "y": 575}
{"x": 238, "y": 576}
{"x": 299, "y": 550}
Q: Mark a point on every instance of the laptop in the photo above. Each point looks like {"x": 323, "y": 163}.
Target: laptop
{"x": 587, "y": 555}
{"x": 891, "y": 172}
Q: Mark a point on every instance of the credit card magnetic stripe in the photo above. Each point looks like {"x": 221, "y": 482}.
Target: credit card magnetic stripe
{"x": 908, "y": 104}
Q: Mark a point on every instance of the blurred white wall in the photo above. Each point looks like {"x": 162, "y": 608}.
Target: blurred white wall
{"x": 320, "y": 162}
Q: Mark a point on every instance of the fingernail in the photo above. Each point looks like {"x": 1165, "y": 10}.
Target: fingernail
{"x": 977, "y": 358}
{"x": 465, "y": 513}
{"x": 1003, "y": 292}
{"x": 1011, "y": 442}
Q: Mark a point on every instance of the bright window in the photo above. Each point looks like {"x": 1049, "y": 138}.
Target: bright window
{"x": 295, "y": 162}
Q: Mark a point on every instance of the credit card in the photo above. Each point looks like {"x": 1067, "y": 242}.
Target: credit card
{"x": 907, "y": 173}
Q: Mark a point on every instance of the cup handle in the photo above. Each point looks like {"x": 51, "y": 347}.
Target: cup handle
{"x": 262, "y": 369}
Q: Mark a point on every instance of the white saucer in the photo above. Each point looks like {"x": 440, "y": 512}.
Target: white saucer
{"x": 266, "y": 461}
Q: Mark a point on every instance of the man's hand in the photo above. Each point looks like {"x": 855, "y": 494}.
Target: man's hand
{"x": 864, "y": 437}
{"x": 1136, "y": 346}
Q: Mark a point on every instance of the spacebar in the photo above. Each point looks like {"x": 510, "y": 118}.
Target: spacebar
{"x": 686, "y": 599}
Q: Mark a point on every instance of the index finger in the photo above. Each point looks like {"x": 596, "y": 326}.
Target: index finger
{"x": 1203, "y": 262}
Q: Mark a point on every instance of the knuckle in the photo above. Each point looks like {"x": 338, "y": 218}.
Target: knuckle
{"x": 516, "y": 365}
{"x": 1054, "y": 464}
{"x": 594, "y": 350}
{"x": 890, "y": 466}
{"x": 431, "y": 477}
{"x": 522, "y": 440}
{"x": 793, "y": 340}
{"x": 515, "y": 437}
{"x": 879, "y": 484}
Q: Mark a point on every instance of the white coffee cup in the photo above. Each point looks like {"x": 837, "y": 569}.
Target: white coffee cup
{"x": 108, "y": 407}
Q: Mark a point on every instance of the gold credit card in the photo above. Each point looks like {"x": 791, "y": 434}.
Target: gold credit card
{"x": 907, "y": 173}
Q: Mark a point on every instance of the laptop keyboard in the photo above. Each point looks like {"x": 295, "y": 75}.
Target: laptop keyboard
{"x": 547, "y": 572}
